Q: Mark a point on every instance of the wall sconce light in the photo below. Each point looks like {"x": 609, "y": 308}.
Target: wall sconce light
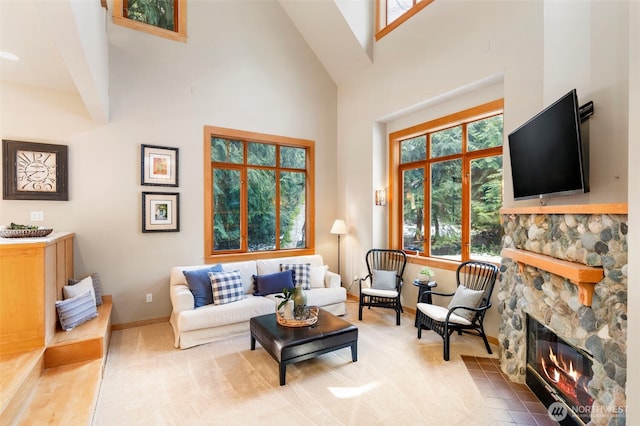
{"x": 381, "y": 197}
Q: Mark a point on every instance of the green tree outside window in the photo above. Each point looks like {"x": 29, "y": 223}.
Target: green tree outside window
{"x": 159, "y": 13}
{"x": 433, "y": 202}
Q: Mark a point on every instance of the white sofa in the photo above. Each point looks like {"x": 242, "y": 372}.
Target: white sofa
{"x": 209, "y": 323}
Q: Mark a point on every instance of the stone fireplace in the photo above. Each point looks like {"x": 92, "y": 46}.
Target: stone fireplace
{"x": 565, "y": 268}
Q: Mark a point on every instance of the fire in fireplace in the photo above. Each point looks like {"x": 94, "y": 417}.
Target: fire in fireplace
{"x": 558, "y": 372}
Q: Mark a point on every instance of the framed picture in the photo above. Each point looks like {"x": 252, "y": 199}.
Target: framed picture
{"x": 35, "y": 171}
{"x": 160, "y": 212}
{"x": 159, "y": 166}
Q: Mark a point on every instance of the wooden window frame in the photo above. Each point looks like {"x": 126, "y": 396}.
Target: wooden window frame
{"x": 180, "y": 9}
{"x": 394, "y": 199}
{"x": 383, "y": 28}
{"x": 236, "y": 256}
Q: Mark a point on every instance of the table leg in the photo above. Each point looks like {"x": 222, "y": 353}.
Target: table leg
{"x": 283, "y": 373}
{"x": 354, "y": 351}
{"x": 421, "y": 290}
{"x": 253, "y": 343}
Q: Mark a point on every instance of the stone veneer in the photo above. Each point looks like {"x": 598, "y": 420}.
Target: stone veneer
{"x": 601, "y": 329}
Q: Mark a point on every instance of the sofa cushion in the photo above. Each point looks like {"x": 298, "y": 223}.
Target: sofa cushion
{"x": 384, "y": 280}
{"x": 226, "y": 286}
{"x": 77, "y": 310}
{"x": 320, "y": 296}
{"x": 301, "y": 273}
{"x": 272, "y": 283}
{"x": 97, "y": 286}
{"x": 269, "y": 266}
{"x": 316, "y": 276}
{"x": 200, "y": 284}
{"x": 221, "y": 315}
{"x": 247, "y": 269}
{"x": 84, "y": 285}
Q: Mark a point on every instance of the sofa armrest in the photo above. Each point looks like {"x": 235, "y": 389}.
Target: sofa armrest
{"x": 331, "y": 280}
{"x": 181, "y": 298}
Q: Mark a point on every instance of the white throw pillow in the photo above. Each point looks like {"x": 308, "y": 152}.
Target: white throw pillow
{"x": 316, "y": 275}
{"x": 384, "y": 280}
{"x": 465, "y": 297}
{"x": 86, "y": 284}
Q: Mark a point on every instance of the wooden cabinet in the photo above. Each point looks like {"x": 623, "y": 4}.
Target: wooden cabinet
{"x": 32, "y": 274}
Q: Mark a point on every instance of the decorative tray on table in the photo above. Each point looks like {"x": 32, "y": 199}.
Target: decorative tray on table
{"x": 24, "y": 231}
{"x": 309, "y": 318}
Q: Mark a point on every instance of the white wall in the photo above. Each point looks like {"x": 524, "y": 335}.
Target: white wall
{"x": 432, "y": 64}
{"x": 500, "y": 45}
{"x": 244, "y": 67}
{"x": 586, "y": 47}
{"x": 633, "y": 338}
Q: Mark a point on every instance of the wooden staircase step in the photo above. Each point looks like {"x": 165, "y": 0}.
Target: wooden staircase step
{"x": 64, "y": 395}
{"x": 19, "y": 374}
{"x": 86, "y": 342}
{"x": 59, "y": 384}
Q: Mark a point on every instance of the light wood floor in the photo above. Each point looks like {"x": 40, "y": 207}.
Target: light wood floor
{"x": 397, "y": 379}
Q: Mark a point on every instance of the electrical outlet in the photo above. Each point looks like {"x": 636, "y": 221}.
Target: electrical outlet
{"x": 149, "y": 297}
{"x": 37, "y": 216}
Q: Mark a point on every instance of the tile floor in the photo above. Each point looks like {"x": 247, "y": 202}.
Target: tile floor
{"x": 509, "y": 403}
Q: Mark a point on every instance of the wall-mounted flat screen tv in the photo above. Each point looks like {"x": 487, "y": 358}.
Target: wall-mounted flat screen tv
{"x": 547, "y": 153}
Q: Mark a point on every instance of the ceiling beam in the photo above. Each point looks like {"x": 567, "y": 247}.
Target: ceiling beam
{"x": 78, "y": 30}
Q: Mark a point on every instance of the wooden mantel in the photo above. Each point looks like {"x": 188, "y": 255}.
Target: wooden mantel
{"x": 616, "y": 208}
{"x": 583, "y": 276}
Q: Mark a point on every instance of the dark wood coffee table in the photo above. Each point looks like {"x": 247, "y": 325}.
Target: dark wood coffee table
{"x": 288, "y": 345}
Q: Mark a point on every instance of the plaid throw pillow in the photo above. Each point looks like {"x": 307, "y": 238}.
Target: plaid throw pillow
{"x": 301, "y": 273}
{"x": 226, "y": 287}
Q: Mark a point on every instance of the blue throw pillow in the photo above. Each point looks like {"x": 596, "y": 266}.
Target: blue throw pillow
{"x": 200, "y": 284}
{"x": 272, "y": 283}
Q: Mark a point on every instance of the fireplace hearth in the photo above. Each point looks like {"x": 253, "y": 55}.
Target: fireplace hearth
{"x": 558, "y": 372}
{"x": 560, "y": 243}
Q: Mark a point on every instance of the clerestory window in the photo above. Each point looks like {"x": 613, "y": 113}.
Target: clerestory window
{"x": 390, "y": 14}
{"x": 447, "y": 186}
{"x": 258, "y": 194}
{"x": 164, "y": 18}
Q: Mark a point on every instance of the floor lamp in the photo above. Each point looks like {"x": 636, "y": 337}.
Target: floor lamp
{"x": 339, "y": 228}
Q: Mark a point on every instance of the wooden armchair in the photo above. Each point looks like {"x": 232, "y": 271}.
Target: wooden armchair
{"x": 469, "y": 304}
{"x": 383, "y": 284}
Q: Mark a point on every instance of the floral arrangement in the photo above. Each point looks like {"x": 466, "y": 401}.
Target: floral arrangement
{"x": 425, "y": 274}
{"x": 287, "y": 294}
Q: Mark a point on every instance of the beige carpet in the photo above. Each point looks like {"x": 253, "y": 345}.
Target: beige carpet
{"x": 397, "y": 380}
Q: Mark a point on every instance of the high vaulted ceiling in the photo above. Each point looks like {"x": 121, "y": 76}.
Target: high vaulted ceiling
{"x": 23, "y": 33}
{"x": 50, "y": 58}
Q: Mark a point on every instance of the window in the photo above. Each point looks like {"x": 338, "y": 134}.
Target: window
{"x": 164, "y": 18}
{"x": 391, "y": 13}
{"x": 258, "y": 194}
{"x": 447, "y": 184}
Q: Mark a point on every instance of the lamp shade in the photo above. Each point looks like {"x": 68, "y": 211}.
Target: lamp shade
{"x": 339, "y": 227}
